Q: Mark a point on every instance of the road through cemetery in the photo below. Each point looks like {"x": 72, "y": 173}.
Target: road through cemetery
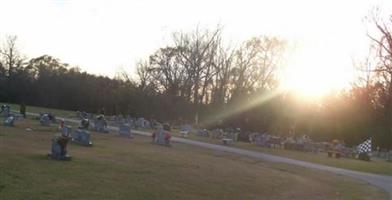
{"x": 384, "y": 182}
{"x": 381, "y": 181}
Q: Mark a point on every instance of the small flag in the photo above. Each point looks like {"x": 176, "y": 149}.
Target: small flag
{"x": 365, "y": 146}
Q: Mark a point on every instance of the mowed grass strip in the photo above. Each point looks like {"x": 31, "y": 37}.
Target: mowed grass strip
{"x": 122, "y": 168}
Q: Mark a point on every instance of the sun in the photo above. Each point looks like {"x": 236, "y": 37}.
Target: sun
{"x": 316, "y": 73}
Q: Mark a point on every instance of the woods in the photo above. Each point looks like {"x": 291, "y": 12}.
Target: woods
{"x": 198, "y": 76}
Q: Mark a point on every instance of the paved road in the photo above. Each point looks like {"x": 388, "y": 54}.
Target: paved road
{"x": 383, "y": 182}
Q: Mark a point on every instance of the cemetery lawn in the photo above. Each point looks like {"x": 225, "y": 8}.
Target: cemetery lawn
{"x": 34, "y": 109}
{"x": 121, "y": 168}
{"x": 376, "y": 166}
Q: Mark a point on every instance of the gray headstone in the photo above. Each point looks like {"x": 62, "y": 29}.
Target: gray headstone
{"x": 100, "y": 126}
{"x": 185, "y": 130}
{"x": 9, "y": 121}
{"x": 125, "y": 130}
{"x": 56, "y": 150}
{"x": 82, "y": 137}
{"x": 44, "y": 120}
{"x": 5, "y": 111}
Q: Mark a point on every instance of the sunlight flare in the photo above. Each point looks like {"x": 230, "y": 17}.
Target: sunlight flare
{"x": 241, "y": 107}
{"x": 317, "y": 71}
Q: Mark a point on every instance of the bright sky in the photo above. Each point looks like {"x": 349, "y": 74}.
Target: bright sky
{"x": 102, "y": 37}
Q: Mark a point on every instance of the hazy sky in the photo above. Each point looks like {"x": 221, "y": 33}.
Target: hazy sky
{"x": 103, "y": 36}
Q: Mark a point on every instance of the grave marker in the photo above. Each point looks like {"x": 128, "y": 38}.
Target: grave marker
{"x": 185, "y": 130}
{"x": 161, "y": 137}
{"x": 59, "y": 146}
{"x": 125, "y": 130}
{"x": 5, "y": 111}
{"x": 9, "y": 121}
{"x": 100, "y": 124}
{"x": 82, "y": 137}
{"x": 44, "y": 120}
{"x": 227, "y": 141}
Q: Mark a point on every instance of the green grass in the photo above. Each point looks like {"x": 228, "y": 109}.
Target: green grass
{"x": 34, "y": 109}
{"x": 121, "y": 168}
{"x": 375, "y": 166}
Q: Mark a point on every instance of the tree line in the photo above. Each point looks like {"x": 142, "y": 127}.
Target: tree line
{"x": 197, "y": 78}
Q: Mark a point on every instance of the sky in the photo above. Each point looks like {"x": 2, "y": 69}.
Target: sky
{"x": 103, "y": 37}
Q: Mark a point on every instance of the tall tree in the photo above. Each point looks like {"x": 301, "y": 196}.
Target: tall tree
{"x": 384, "y": 67}
{"x": 11, "y": 56}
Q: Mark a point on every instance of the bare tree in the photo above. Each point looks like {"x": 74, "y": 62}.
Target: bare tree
{"x": 197, "y": 50}
{"x": 256, "y": 62}
{"x": 11, "y": 56}
{"x": 166, "y": 69}
{"x": 146, "y": 81}
{"x": 383, "y": 69}
{"x": 222, "y": 72}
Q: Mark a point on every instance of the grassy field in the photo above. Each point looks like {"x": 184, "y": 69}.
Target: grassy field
{"x": 121, "y": 168}
{"x": 34, "y": 109}
{"x": 375, "y": 166}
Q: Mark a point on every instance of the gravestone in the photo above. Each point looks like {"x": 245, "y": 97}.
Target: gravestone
{"x": 161, "y": 137}
{"x": 227, "y": 141}
{"x": 230, "y": 137}
{"x": 146, "y": 124}
{"x": 44, "y": 120}
{"x": 100, "y": 124}
{"x": 259, "y": 139}
{"x": 185, "y": 130}
{"x": 9, "y": 121}
{"x": 142, "y": 123}
{"x": 125, "y": 130}
{"x": 139, "y": 123}
{"x": 203, "y": 133}
{"x": 82, "y": 137}
{"x": 5, "y": 111}
{"x": 131, "y": 121}
{"x": 59, "y": 148}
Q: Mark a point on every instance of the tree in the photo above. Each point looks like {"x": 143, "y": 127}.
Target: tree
{"x": 256, "y": 62}
{"x": 11, "y": 56}
{"x": 11, "y": 65}
{"x": 383, "y": 69}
